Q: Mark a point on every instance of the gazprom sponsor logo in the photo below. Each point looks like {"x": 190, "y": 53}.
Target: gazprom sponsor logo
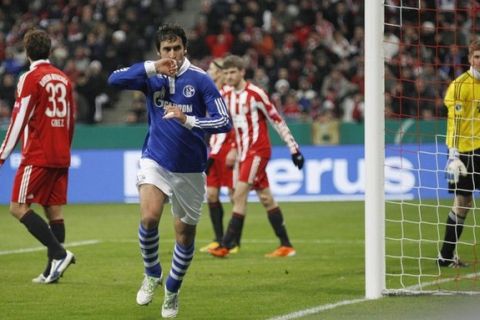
{"x": 159, "y": 103}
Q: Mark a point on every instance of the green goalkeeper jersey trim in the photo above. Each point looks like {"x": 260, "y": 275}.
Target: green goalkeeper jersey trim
{"x": 463, "y": 102}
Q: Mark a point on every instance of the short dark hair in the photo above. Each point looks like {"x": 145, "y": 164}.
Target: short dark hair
{"x": 233, "y": 61}
{"x": 169, "y": 32}
{"x": 38, "y": 44}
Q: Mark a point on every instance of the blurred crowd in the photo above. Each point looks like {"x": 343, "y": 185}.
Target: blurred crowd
{"x": 308, "y": 54}
{"x": 90, "y": 39}
{"x": 426, "y": 53}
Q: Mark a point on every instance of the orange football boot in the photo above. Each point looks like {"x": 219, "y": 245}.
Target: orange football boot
{"x": 219, "y": 252}
{"x": 282, "y": 251}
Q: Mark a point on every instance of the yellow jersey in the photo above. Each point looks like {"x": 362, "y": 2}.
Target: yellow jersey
{"x": 463, "y": 102}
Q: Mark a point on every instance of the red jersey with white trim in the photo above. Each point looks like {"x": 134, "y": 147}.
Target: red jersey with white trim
{"x": 43, "y": 116}
{"x": 221, "y": 144}
{"x": 249, "y": 109}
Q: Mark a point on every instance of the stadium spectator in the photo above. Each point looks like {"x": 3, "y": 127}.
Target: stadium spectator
{"x": 47, "y": 131}
{"x": 325, "y": 128}
{"x": 305, "y": 94}
{"x": 353, "y": 108}
{"x": 7, "y": 89}
{"x": 464, "y": 149}
{"x": 261, "y": 79}
{"x": 179, "y": 95}
{"x": 82, "y": 32}
{"x": 254, "y": 151}
{"x": 271, "y": 34}
{"x": 291, "y": 109}
{"x": 137, "y": 114}
{"x": 4, "y": 115}
{"x": 426, "y": 98}
{"x": 91, "y": 85}
{"x": 391, "y": 45}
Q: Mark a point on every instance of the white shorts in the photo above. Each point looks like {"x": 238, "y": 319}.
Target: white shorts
{"x": 186, "y": 190}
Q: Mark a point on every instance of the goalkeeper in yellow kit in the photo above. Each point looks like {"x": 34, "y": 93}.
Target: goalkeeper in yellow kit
{"x": 463, "y": 140}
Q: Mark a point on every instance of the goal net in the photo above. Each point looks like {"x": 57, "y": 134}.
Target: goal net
{"x": 425, "y": 47}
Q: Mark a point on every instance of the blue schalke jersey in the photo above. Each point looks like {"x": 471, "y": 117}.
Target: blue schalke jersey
{"x": 176, "y": 147}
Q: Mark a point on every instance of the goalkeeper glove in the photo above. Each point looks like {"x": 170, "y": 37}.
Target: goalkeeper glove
{"x": 298, "y": 159}
{"x": 209, "y": 165}
{"x": 455, "y": 167}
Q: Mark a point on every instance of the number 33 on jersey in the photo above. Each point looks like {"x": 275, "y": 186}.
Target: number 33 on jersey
{"x": 43, "y": 116}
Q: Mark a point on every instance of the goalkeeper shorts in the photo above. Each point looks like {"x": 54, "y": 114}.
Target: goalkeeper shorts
{"x": 466, "y": 185}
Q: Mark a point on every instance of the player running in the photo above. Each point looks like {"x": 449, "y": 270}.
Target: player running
{"x": 174, "y": 155}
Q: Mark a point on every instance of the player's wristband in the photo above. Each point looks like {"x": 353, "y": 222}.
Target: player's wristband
{"x": 150, "y": 68}
{"x": 190, "y": 122}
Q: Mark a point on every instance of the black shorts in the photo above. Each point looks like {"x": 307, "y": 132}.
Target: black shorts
{"x": 471, "y": 182}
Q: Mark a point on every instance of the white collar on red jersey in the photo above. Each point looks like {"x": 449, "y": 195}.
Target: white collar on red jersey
{"x": 35, "y": 63}
{"x": 243, "y": 89}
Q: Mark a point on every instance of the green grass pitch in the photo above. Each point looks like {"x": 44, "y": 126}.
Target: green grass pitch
{"x": 328, "y": 269}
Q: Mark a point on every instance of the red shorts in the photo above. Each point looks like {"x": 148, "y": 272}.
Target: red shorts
{"x": 253, "y": 171}
{"x": 219, "y": 175}
{"x": 45, "y": 186}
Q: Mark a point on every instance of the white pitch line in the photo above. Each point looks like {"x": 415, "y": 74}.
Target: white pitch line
{"x": 321, "y": 308}
{"x": 306, "y": 312}
{"x": 34, "y": 249}
{"x": 313, "y": 241}
{"x": 91, "y": 242}
{"x": 435, "y": 282}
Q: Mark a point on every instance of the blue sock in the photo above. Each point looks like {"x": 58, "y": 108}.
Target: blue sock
{"x": 182, "y": 256}
{"x": 148, "y": 240}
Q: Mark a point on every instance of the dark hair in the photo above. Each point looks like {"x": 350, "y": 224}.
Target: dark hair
{"x": 37, "y": 43}
{"x": 233, "y": 61}
{"x": 169, "y": 32}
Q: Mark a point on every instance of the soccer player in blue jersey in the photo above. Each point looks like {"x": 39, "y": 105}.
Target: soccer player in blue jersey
{"x": 179, "y": 95}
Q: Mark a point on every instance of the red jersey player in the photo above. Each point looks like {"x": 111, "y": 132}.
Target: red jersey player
{"x": 220, "y": 167}
{"x": 250, "y": 108}
{"x": 43, "y": 115}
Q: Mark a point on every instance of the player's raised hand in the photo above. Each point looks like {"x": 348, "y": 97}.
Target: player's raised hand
{"x": 166, "y": 66}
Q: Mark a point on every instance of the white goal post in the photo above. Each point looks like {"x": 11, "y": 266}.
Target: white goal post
{"x": 374, "y": 151}
{"x": 403, "y": 236}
